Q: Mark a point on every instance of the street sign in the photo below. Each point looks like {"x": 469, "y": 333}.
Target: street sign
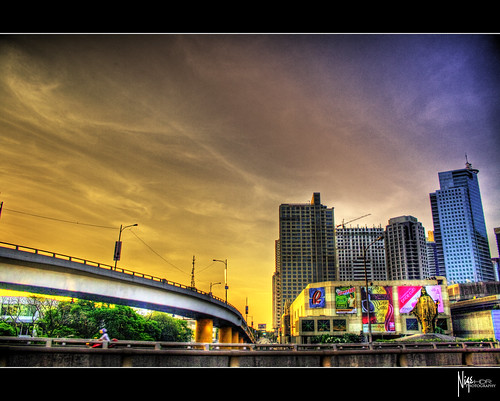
{"x": 118, "y": 250}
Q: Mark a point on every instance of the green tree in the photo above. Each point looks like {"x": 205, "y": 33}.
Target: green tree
{"x": 84, "y": 319}
{"x": 58, "y": 321}
{"x": 171, "y": 329}
{"x": 123, "y": 323}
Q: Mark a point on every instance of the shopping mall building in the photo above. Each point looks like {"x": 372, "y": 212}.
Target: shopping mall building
{"x": 335, "y": 308}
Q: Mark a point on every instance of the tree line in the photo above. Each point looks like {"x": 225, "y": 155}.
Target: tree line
{"x": 84, "y": 319}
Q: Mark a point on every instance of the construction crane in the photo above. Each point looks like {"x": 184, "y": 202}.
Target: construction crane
{"x": 350, "y": 221}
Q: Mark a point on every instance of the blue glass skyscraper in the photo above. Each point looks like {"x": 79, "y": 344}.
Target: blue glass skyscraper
{"x": 459, "y": 228}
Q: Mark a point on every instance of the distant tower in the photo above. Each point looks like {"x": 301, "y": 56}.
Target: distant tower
{"x": 350, "y": 246}
{"x": 432, "y": 259}
{"x": 497, "y": 235}
{"x": 192, "y": 276}
{"x": 459, "y": 227}
{"x": 305, "y": 251}
{"x": 406, "y": 249}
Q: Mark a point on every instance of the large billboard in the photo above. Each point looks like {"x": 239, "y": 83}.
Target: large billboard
{"x": 345, "y": 299}
{"x": 317, "y": 297}
{"x": 381, "y": 309}
{"x": 409, "y": 295}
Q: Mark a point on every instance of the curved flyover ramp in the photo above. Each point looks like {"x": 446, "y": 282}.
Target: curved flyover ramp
{"x": 43, "y": 272}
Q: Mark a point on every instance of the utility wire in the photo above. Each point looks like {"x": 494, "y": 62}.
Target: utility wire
{"x": 165, "y": 260}
{"x": 157, "y": 254}
{"x": 60, "y": 220}
{"x": 206, "y": 267}
{"x": 107, "y": 227}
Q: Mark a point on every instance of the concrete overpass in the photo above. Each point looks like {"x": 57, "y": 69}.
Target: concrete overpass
{"x": 28, "y": 269}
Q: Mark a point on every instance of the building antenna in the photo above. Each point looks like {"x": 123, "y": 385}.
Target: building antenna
{"x": 468, "y": 166}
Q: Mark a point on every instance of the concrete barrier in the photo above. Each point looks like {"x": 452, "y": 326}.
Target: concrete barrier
{"x": 73, "y": 353}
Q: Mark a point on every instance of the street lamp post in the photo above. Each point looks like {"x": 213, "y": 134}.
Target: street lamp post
{"x": 225, "y": 274}
{"x": 118, "y": 244}
{"x": 366, "y": 291}
{"x": 211, "y": 284}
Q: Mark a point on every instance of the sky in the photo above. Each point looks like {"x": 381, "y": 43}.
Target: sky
{"x": 198, "y": 138}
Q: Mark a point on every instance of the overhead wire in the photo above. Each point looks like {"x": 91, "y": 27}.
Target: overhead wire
{"x": 167, "y": 261}
{"x": 106, "y": 227}
{"x": 60, "y": 220}
{"x": 157, "y": 254}
{"x": 206, "y": 267}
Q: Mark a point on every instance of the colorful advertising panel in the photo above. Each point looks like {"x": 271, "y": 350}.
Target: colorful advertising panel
{"x": 381, "y": 309}
{"x": 345, "y": 299}
{"x": 409, "y": 295}
{"x": 317, "y": 297}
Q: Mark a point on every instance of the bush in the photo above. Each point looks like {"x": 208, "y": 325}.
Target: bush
{"x": 329, "y": 339}
{"x": 7, "y": 330}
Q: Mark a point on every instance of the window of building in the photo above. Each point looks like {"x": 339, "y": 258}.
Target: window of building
{"x": 339, "y": 324}
{"x": 442, "y": 324}
{"x": 323, "y": 325}
{"x": 307, "y": 325}
{"x": 411, "y": 325}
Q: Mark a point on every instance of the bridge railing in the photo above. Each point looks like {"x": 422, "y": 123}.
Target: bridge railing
{"x": 164, "y": 345}
{"x": 105, "y": 266}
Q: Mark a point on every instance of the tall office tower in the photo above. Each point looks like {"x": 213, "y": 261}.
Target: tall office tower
{"x": 496, "y": 261}
{"x": 432, "y": 258}
{"x": 459, "y": 227}
{"x": 406, "y": 250}
{"x": 496, "y": 268}
{"x": 306, "y": 250}
{"x": 497, "y": 236}
{"x": 351, "y": 243}
{"x": 277, "y": 296}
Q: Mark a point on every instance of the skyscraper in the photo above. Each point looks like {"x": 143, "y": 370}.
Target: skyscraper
{"x": 496, "y": 261}
{"x": 459, "y": 227}
{"x": 497, "y": 236}
{"x": 432, "y": 259}
{"x": 350, "y": 246}
{"x": 305, "y": 251}
{"x": 406, "y": 250}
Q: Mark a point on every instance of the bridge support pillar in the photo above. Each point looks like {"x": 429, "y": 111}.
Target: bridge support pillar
{"x": 203, "y": 331}
{"x": 236, "y": 337}
{"x": 225, "y": 335}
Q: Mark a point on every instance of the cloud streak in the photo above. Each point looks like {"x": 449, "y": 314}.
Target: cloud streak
{"x": 199, "y": 138}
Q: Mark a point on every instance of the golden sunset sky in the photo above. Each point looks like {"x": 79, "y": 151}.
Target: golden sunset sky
{"x": 199, "y": 138}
